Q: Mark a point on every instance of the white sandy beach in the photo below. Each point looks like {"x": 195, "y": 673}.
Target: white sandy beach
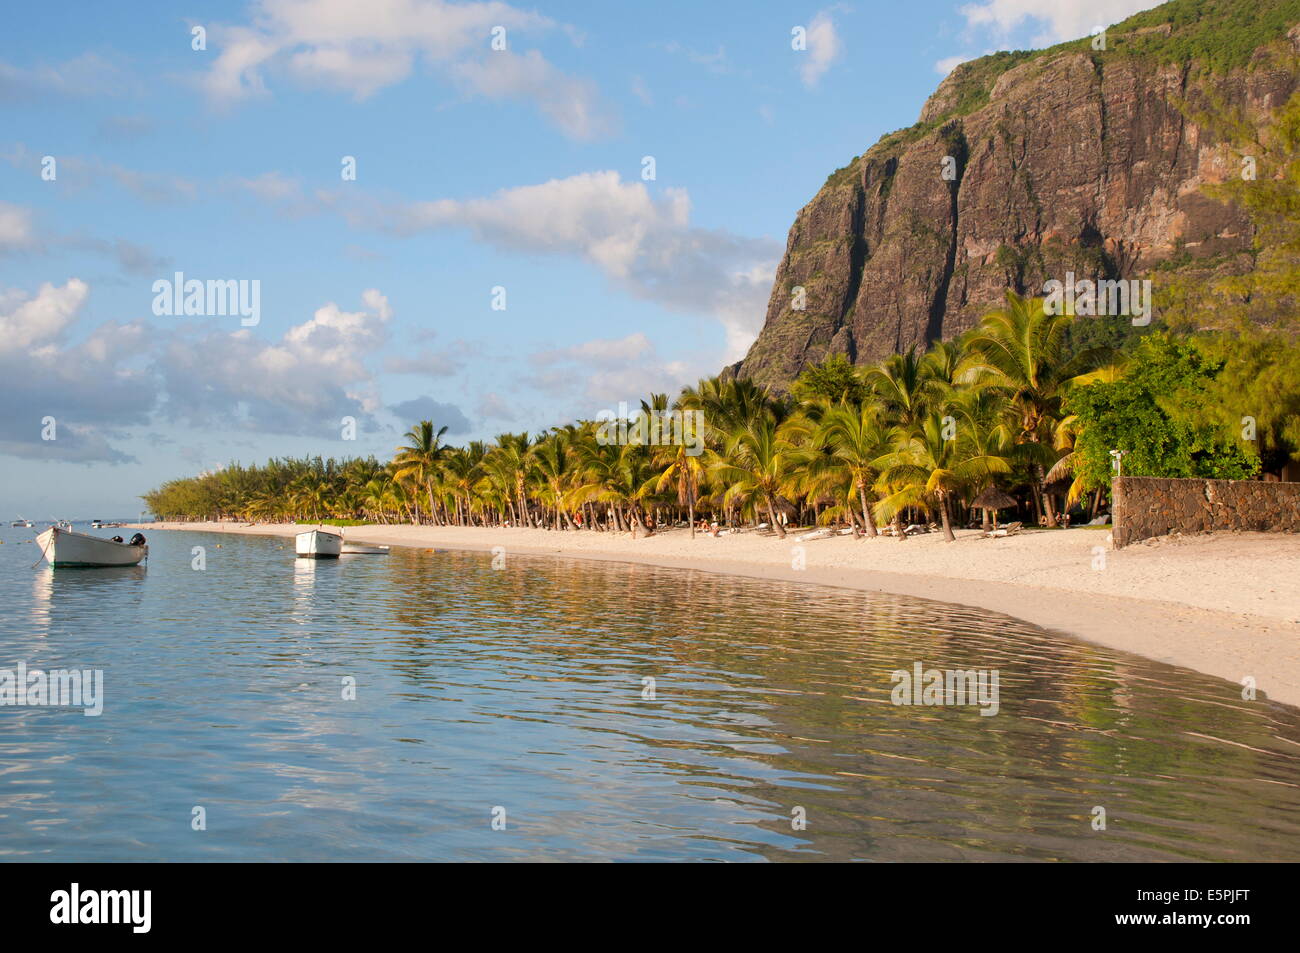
{"x": 1227, "y": 605}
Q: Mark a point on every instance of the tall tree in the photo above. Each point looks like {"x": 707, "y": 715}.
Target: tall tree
{"x": 419, "y": 458}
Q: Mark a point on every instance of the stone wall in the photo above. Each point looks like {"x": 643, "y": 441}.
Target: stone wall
{"x": 1145, "y": 506}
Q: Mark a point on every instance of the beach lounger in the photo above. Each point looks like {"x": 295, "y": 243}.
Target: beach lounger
{"x": 1011, "y": 529}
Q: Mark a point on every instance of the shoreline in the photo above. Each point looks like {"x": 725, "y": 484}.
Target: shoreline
{"x": 1157, "y": 599}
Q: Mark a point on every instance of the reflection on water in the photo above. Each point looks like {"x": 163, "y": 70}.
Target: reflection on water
{"x": 524, "y": 689}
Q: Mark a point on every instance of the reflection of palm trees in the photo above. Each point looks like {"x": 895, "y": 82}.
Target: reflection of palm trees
{"x": 774, "y": 702}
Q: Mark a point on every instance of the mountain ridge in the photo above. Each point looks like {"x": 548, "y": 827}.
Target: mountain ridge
{"x": 1064, "y": 159}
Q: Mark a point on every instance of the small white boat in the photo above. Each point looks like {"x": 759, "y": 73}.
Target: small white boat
{"x": 318, "y": 544}
{"x": 361, "y": 549}
{"x": 62, "y": 547}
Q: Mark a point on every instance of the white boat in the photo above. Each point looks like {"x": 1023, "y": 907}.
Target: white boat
{"x": 318, "y": 544}
{"x": 361, "y": 549}
{"x": 62, "y": 547}
{"x": 20, "y": 522}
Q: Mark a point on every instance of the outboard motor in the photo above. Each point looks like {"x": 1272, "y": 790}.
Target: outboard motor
{"x": 137, "y": 540}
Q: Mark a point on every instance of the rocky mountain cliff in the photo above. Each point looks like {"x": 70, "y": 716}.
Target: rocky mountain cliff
{"x": 1024, "y": 166}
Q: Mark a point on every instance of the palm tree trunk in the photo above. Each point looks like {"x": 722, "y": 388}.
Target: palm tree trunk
{"x": 1048, "y": 512}
{"x": 866, "y": 511}
{"x": 690, "y": 516}
{"x": 946, "y": 520}
{"x": 771, "y": 515}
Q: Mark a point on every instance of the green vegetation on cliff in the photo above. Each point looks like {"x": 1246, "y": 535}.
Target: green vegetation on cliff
{"x": 1212, "y": 36}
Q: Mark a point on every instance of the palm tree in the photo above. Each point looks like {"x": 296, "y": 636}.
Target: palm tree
{"x": 510, "y": 462}
{"x": 463, "y": 469}
{"x": 420, "y": 457}
{"x": 904, "y": 386}
{"x": 856, "y": 438}
{"x": 553, "y": 467}
{"x": 309, "y": 495}
{"x": 758, "y": 462}
{"x": 928, "y": 467}
{"x": 979, "y": 422}
{"x": 727, "y": 405}
{"x": 1022, "y": 351}
{"x": 684, "y": 472}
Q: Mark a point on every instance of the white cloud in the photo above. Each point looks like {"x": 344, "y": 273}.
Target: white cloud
{"x": 823, "y": 49}
{"x": 91, "y": 387}
{"x": 272, "y": 187}
{"x": 606, "y": 370}
{"x": 38, "y": 321}
{"x": 19, "y": 234}
{"x": 87, "y": 75}
{"x": 949, "y": 63}
{"x": 600, "y": 353}
{"x": 1059, "y": 20}
{"x": 77, "y": 172}
{"x": 643, "y": 244}
{"x": 15, "y": 227}
{"x": 360, "y": 49}
{"x": 491, "y": 406}
{"x": 314, "y": 374}
{"x": 570, "y": 103}
{"x": 425, "y": 363}
{"x": 100, "y": 382}
{"x": 426, "y": 408}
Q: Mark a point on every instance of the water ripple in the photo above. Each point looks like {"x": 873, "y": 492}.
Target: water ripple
{"x": 523, "y": 689}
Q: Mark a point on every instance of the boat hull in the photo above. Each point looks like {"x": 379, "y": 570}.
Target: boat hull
{"x": 63, "y": 549}
{"x": 318, "y": 544}
{"x": 360, "y": 549}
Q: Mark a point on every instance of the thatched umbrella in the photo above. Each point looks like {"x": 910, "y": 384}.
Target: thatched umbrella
{"x": 994, "y": 499}
{"x": 1060, "y": 478}
{"x": 786, "y": 507}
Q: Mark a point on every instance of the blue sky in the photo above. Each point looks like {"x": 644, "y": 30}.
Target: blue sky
{"x": 476, "y": 168}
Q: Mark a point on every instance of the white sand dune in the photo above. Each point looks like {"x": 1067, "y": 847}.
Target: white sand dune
{"x": 1228, "y": 605}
